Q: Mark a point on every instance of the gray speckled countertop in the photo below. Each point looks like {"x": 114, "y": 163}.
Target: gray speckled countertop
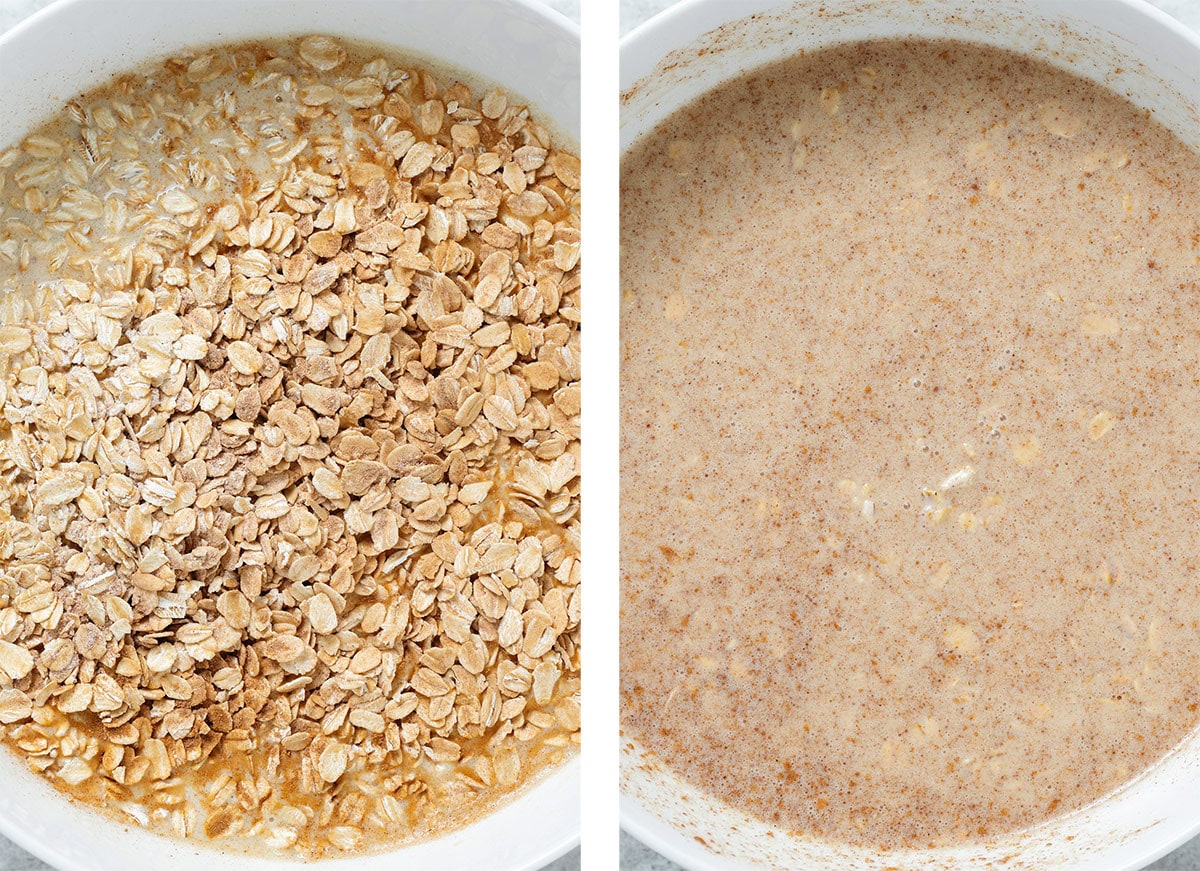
{"x": 12, "y": 857}
{"x": 636, "y": 856}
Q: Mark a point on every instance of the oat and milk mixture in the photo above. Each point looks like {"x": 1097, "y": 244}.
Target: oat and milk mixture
{"x": 911, "y": 343}
{"x": 289, "y": 377}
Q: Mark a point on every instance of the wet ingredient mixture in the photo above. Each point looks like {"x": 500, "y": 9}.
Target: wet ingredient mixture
{"x": 910, "y": 442}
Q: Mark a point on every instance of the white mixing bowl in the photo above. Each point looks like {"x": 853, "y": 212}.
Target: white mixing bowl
{"x": 1131, "y": 48}
{"x": 74, "y": 45}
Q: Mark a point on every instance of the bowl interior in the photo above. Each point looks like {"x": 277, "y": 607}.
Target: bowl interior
{"x": 1124, "y": 44}
{"x": 523, "y": 835}
{"x": 74, "y": 45}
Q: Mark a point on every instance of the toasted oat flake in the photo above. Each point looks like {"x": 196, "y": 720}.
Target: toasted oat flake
{"x": 1099, "y": 425}
{"x": 1026, "y": 449}
{"x": 289, "y": 527}
{"x": 1097, "y": 326}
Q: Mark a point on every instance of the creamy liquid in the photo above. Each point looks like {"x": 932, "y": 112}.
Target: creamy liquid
{"x": 910, "y": 439}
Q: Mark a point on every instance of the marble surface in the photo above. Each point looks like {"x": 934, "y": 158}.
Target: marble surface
{"x": 636, "y": 856}
{"x": 12, "y": 857}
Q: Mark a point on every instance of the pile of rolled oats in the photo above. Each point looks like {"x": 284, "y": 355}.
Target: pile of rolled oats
{"x": 289, "y": 495}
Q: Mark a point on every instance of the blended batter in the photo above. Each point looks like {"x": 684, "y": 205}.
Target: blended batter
{"x": 911, "y": 443}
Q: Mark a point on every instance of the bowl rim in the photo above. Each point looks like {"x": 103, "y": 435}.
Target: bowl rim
{"x": 52, "y": 855}
{"x": 47, "y": 850}
{"x": 635, "y": 819}
{"x": 57, "y": 7}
